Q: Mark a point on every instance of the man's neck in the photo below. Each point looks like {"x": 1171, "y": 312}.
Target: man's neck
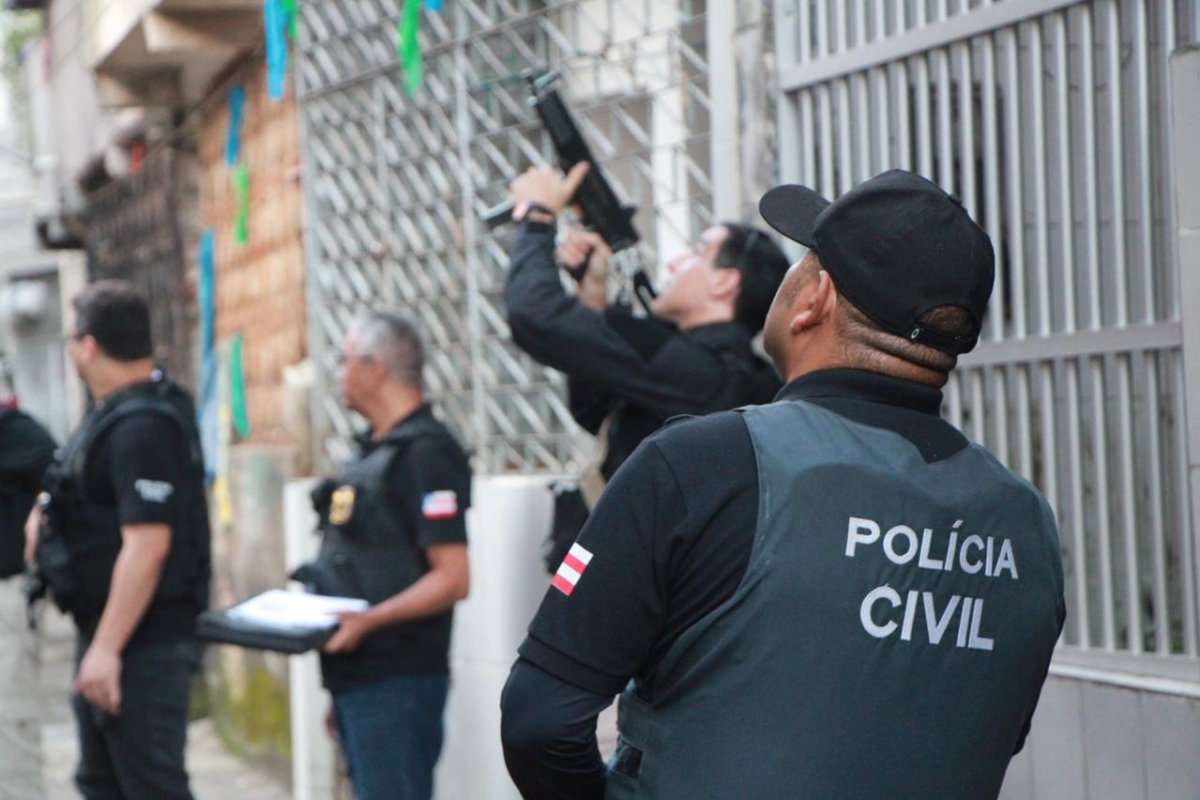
{"x": 391, "y": 408}
{"x": 707, "y": 316}
{"x": 119, "y": 377}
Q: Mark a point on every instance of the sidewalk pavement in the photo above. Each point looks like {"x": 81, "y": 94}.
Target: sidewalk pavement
{"x": 38, "y": 749}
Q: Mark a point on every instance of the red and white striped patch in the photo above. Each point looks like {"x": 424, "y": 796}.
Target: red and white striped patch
{"x": 571, "y": 569}
{"x": 439, "y": 505}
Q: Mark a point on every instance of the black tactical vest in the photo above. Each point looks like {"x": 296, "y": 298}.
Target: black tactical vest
{"x": 889, "y": 638}
{"x": 80, "y": 538}
{"x": 16, "y": 500}
{"x": 367, "y": 550}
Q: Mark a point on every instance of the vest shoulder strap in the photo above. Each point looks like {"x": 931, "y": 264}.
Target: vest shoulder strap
{"x": 138, "y": 406}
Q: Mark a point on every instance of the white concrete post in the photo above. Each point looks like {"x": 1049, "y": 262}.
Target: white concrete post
{"x": 1185, "y": 111}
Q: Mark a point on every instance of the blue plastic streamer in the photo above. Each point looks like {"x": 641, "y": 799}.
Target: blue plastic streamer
{"x": 275, "y": 22}
{"x": 433, "y": 5}
{"x": 207, "y": 259}
{"x": 208, "y": 413}
{"x": 208, "y": 408}
{"x": 233, "y": 142}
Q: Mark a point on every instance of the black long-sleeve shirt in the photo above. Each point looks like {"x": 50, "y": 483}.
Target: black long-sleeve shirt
{"x": 670, "y": 541}
{"x": 644, "y": 369}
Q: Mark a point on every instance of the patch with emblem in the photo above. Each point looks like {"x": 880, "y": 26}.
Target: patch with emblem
{"x": 153, "y": 491}
{"x": 341, "y": 505}
{"x": 440, "y": 505}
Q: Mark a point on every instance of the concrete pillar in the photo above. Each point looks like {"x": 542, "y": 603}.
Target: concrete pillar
{"x": 1185, "y": 111}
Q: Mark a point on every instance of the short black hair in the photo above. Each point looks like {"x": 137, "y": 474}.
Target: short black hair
{"x": 117, "y": 316}
{"x": 754, "y": 254}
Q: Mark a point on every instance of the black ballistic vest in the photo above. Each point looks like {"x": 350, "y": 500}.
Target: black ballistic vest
{"x": 16, "y": 501}
{"x": 889, "y": 638}
{"x": 367, "y": 550}
{"x": 80, "y": 538}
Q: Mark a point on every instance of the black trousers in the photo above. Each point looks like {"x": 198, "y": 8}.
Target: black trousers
{"x": 138, "y": 754}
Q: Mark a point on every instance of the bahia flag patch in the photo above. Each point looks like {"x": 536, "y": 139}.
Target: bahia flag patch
{"x": 571, "y": 569}
{"x": 439, "y": 505}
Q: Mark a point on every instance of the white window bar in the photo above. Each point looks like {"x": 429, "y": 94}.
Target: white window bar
{"x": 991, "y": 180}
{"x": 924, "y": 110}
{"x": 1016, "y": 217}
{"x": 883, "y": 125}
{"x": 1187, "y": 559}
{"x": 842, "y": 143}
{"x": 903, "y": 141}
{"x": 862, "y": 127}
{"x": 1156, "y": 490}
{"x": 1091, "y": 168}
{"x": 1142, "y": 120}
{"x": 1078, "y": 547}
{"x": 1101, "y": 506}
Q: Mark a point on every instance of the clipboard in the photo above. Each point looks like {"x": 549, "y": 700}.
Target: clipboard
{"x": 277, "y": 620}
{"x": 218, "y": 627}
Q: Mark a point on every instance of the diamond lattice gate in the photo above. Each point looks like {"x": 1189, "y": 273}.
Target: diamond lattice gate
{"x": 395, "y": 183}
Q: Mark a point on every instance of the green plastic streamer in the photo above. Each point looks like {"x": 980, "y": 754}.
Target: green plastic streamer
{"x": 237, "y": 388}
{"x": 241, "y": 224}
{"x": 407, "y": 45}
{"x": 289, "y": 13}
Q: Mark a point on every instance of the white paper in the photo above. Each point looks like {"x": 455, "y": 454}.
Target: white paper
{"x": 278, "y": 608}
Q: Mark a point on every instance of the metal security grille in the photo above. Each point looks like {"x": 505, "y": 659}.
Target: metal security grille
{"x": 1049, "y": 120}
{"x": 133, "y": 234}
{"x": 395, "y": 183}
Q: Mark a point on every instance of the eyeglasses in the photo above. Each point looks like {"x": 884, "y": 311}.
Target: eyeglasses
{"x": 341, "y": 359}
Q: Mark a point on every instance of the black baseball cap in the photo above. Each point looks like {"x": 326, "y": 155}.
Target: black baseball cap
{"x": 896, "y": 246}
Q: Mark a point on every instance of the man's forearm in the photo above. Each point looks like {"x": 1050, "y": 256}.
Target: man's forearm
{"x": 548, "y": 730}
{"x": 434, "y": 592}
{"x": 135, "y": 578}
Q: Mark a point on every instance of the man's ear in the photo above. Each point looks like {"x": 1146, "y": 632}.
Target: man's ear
{"x": 88, "y": 347}
{"x": 725, "y": 282}
{"x": 814, "y": 304}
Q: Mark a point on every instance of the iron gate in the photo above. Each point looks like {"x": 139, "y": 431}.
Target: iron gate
{"x": 133, "y": 233}
{"x": 1049, "y": 120}
{"x": 395, "y": 183}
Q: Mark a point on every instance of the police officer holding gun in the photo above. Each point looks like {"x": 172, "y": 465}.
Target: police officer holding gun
{"x": 626, "y": 375}
{"x": 122, "y": 539}
{"x": 833, "y": 595}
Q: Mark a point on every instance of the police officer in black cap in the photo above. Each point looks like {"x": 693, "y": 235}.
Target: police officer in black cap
{"x": 833, "y": 595}
{"x": 124, "y": 545}
{"x": 626, "y": 375}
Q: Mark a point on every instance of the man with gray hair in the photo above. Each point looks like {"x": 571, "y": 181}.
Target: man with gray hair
{"x": 393, "y": 534}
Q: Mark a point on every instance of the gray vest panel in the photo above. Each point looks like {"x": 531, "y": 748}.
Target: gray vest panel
{"x": 889, "y": 637}
{"x": 368, "y": 551}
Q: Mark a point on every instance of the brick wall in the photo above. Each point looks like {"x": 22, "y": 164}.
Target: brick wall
{"x": 260, "y": 284}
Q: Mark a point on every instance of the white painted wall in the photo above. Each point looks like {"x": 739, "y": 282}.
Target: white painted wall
{"x": 509, "y": 517}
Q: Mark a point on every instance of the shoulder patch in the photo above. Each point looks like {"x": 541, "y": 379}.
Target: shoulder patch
{"x": 440, "y": 505}
{"x": 153, "y": 491}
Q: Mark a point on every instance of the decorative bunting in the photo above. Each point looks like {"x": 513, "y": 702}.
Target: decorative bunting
{"x": 205, "y": 289}
{"x": 407, "y": 45}
{"x": 208, "y": 399}
{"x": 233, "y": 142}
{"x": 290, "y": 14}
{"x": 237, "y": 388}
{"x": 241, "y": 185}
{"x": 275, "y": 23}
{"x": 433, "y": 5}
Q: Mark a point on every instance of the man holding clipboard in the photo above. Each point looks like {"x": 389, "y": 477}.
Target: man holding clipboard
{"x": 394, "y": 535}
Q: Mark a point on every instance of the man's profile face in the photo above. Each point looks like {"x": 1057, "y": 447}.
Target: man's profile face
{"x": 686, "y": 283}
{"x": 354, "y": 373}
